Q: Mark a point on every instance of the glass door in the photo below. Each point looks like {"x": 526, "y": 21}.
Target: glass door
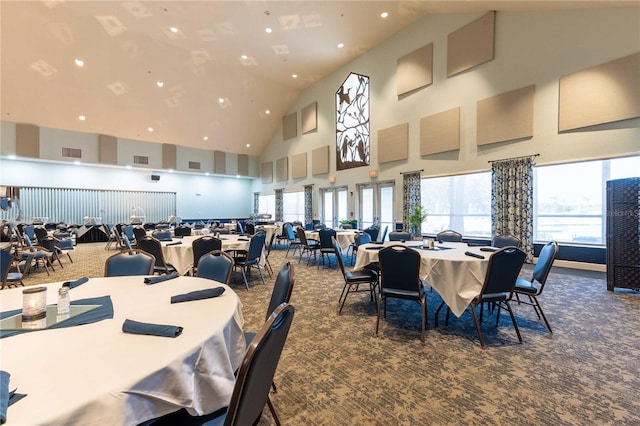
{"x": 334, "y": 206}
{"x": 376, "y": 205}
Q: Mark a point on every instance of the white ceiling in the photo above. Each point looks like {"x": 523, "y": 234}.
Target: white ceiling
{"x": 127, "y": 47}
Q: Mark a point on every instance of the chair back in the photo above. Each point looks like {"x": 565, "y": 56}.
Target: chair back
{"x": 338, "y": 250}
{"x": 127, "y": 242}
{"x": 204, "y": 245}
{"x": 239, "y": 227}
{"x": 400, "y": 269}
{"x": 270, "y": 245}
{"x": 449, "y": 236}
{"x": 215, "y": 265}
{"x": 505, "y": 240}
{"x": 362, "y": 238}
{"x": 326, "y": 237}
{"x": 399, "y": 236}
{"x": 41, "y": 233}
{"x": 256, "y": 245}
{"x": 373, "y": 232}
{"x": 30, "y": 231}
{"x": 139, "y": 233}
{"x": 128, "y": 231}
{"x": 134, "y": 263}
{"x": 153, "y": 247}
{"x": 48, "y": 243}
{"x": 502, "y": 271}
{"x": 302, "y": 237}
{"x": 182, "y": 231}
{"x": 308, "y": 227}
{"x": 253, "y": 382}
{"x": 384, "y": 233}
{"x": 5, "y": 263}
{"x": 249, "y": 228}
{"x": 282, "y": 288}
{"x": 545, "y": 261}
{"x": 288, "y": 228}
{"x": 161, "y": 235}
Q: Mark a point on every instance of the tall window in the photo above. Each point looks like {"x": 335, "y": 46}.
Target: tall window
{"x": 334, "y": 205}
{"x": 293, "y": 206}
{"x": 570, "y": 199}
{"x": 461, "y": 203}
{"x": 267, "y": 204}
{"x": 376, "y": 204}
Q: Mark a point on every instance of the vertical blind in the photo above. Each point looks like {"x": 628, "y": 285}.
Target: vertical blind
{"x": 73, "y": 205}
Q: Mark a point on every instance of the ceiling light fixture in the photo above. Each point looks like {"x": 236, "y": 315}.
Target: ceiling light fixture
{"x": 267, "y": 111}
{"x": 294, "y": 75}
{"x": 173, "y": 29}
{"x": 340, "y": 45}
{"x": 248, "y": 145}
{"x": 244, "y": 57}
{"x": 159, "y": 83}
{"x": 79, "y": 62}
{"x": 220, "y": 100}
{"x": 150, "y": 129}
{"x": 268, "y": 30}
{"x": 82, "y": 117}
{"x": 383, "y": 15}
{"x": 206, "y": 138}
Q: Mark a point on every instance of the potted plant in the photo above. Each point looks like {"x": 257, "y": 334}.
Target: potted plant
{"x": 352, "y": 222}
{"x": 416, "y": 218}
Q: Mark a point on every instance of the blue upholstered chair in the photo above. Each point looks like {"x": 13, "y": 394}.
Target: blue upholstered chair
{"x": 215, "y": 265}
{"x": 134, "y": 263}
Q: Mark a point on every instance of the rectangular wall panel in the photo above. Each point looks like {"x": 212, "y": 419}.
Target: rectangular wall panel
{"x": 471, "y": 45}
{"x": 320, "y": 160}
{"x": 299, "y": 166}
{"x": 440, "y": 132}
{"x": 415, "y": 70}
{"x": 393, "y": 143}
{"x": 282, "y": 169}
{"x": 309, "y": 118}
{"x": 243, "y": 164}
{"x": 27, "y": 140}
{"x": 108, "y": 149}
{"x": 601, "y": 94}
{"x": 266, "y": 172}
{"x": 290, "y": 126}
{"x": 506, "y": 117}
{"x": 219, "y": 162}
{"x": 169, "y": 156}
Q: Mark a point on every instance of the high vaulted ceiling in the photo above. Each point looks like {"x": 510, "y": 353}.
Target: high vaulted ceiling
{"x": 212, "y": 96}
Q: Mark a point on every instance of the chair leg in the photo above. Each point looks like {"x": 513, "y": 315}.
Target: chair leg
{"x": 244, "y": 275}
{"x": 343, "y": 297}
{"x": 542, "y": 313}
{"x": 475, "y": 320}
{"x": 273, "y": 412}
{"x": 513, "y": 319}
{"x": 424, "y": 318}
{"x": 378, "y": 313}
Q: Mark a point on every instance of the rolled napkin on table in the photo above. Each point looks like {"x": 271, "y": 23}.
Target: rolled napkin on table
{"x": 244, "y": 239}
{"x": 76, "y": 283}
{"x": 136, "y": 327}
{"x": 198, "y": 295}
{"x": 375, "y": 248}
{"x": 175, "y": 244}
{"x": 160, "y": 278}
{"x": 479, "y": 256}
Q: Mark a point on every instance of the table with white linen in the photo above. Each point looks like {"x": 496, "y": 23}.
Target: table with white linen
{"x": 344, "y": 237}
{"x": 95, "y": 374}
{"x": 269, "y": 230}
{"x": 181, "y": 255}
{"x": 200, "y": 232}
{"x": 457, "y": 277}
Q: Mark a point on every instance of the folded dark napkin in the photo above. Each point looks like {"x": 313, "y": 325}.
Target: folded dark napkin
{"x": 177, "y": 243}
{"x": 136, "y": 327}
{"x": 4, "y": 395}
{"x": 244, "y": 239}
{"x": 76, "y": 283}
{"x": 178, "y": 236}
{"x": 375, "y": 248}
{"x": 479, "y": 256}
{"x": 198, "y": 295}
{"x": 489, "y": 249}
{"x": 159, "y": 278}
{"x": 377, "y": 242}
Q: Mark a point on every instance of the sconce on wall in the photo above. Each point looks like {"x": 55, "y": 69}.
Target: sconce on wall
{"x": 373, "y": 173}
{"x": 332, "y": 179}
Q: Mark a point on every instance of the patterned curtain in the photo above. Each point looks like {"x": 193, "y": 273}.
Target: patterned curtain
{"x": 256, "y": 202}
{"x": 410, "y": 198}
{"x": 512, "y": 200}
{"x": 279, "y": 205}
{"x": 308, "y": 203}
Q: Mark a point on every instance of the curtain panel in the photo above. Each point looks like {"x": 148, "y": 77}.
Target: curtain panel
{"x": 308, "y": 203}
{"x": 279, "y": 205}
{"x": 256, "y": 202}
{"x": 512, "y": 200}
{"x": 410, "y": 199}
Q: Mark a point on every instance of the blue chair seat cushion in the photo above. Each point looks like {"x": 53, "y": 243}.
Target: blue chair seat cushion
{"x": 525, "y": 286}
{"x": 364, "y": 275}
{"x": 14, "y": 276}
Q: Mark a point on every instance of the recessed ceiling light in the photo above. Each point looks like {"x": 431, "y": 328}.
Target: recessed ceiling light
{"x": 82, "y": 117}
{"x": 159, "y": 83}
{"x": 220, "y": 100}
{"x": 244, "y": 57}
{"x": 248, "y": 145}
{"x": 384, "y": 15}
{"x": 340, "y": 45}
{"x": 267, "y": 111}
{"x": 294, "y": 75}
{"x": 268, "y": 30}
{"x": 206, "y": 138}
{"x": 79, "y": 62}
{"x": 173, "y": 29}
{"x": 150, "y": 129}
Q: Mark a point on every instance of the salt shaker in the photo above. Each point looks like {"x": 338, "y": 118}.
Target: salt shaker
{"x": 63, "y": 301}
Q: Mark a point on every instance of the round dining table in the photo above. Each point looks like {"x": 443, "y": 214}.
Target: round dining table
{"x": 447, "y": 268}
{"x": 96, "y": 374}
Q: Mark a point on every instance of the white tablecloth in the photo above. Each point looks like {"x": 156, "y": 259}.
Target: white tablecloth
{"x": 181, "y": 255}
{"x": 95, "y": 374}
{"x": 344, "y": 238}
{"x": 269, "y": 230}
{"x": 455, "y": 276}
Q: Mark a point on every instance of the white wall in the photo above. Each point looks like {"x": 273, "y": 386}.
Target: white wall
{"x": 197, "y": 196}
{"x": 531, "y": 48}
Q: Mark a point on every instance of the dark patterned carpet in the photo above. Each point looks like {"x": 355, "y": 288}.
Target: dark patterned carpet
{"x": 335, "y": 371}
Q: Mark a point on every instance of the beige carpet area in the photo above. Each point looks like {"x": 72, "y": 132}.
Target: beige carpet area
{"x": 335, "y": 371}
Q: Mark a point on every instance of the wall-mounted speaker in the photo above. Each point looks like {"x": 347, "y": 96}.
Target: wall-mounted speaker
{"x": 155, "y": 177}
